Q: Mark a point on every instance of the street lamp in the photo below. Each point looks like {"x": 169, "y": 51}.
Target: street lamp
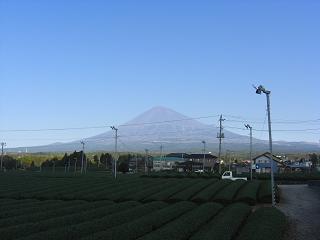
{"x": 260, "y": 90}
{"x": 204, "y": 154}
{"x": 250, "y": 128}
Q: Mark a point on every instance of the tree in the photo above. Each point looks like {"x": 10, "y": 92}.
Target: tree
{"x": 96, "y": 160}
{"x": 123, "y": 167}
{"x": 314, "y": 159}
{"x": 109, "y": 160}
{"x": 9, "y": 162}
{"x": 123, "y": 162}
{"x": 103, "y": 160}
{"x": 32, "y": 165}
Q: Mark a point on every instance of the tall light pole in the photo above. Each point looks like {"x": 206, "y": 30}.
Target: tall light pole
{"x": 260, "y": 90}
{"x": 204, "y": 154}
{"x": 3, "y": 144}
{"x": 82, "y": 156}
{"x": 115, "y": 150}
{"x": 220, "y": 136}
{"x": 250, "y": 128}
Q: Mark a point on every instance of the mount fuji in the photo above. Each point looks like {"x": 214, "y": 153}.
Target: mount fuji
{"x": 173, "y": 131}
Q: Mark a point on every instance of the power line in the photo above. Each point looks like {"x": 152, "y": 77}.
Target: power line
{"x": 276, "y": 130}
{"x": 278, "y": 121}
{"x": 53, "y": 129}
{"x": 158, "y": 122}
{"x": 103, "y": 126}
{"x": 169, "y": 121}
{"x": 103, "y": 139}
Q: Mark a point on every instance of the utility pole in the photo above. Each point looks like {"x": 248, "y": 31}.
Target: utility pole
{"x": 250, "y": 128}
{"x": 137, "y": 163}
{"x": 145, "y": 160}
{"x": 204, "y": 154}
{"x": 115, "y": 150}
{"x": 227, "y": 157}
{"x": 3, "y": 144}
{"x": 161, "y": 149}
{"x": 259, "y": 90}
{"x": 68, "y": 163}
{"x": 75, "y": 165}
{"x": 220, "y": 136}
{"x": 86, "y": 161}
{"x": 82, "y": 156}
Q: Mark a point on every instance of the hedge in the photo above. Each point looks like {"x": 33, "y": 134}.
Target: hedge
{"x": 186, "y": 225}
{"x": 122, "y": 195}
{"x": 225, "y": 225}
{"x": 248, "y": 193}
{"x": 189, "y": 192}
{"x": 145, "y": 224}
{"x": 90, "y": 226}
{"x": 227, "y": 194}
{"x": 71, "y": 207}
{"x": 264, "y": 224}
{"x": 264, "y": 194}
{"x": 26, "y": 229}
{"x": 141, "y": 195}
{"x": 181, "y": 175}
{"x": 207, "y": 194}
{"x": 16, "y": 204}
{"x": 31, "y": 208}
{"x": 165, "y": 194}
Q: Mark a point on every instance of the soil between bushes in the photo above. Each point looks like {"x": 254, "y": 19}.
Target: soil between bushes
{"x": 301, "y": 204}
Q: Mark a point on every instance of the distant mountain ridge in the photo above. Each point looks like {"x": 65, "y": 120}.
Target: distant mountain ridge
{"x": 174, "y": 131}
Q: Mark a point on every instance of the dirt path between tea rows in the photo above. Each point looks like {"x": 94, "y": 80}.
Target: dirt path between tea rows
{"x": 301, "y": 204}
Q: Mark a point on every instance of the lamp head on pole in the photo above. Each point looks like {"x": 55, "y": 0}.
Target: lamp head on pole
{"x": 261, "y": 89}
{"x": 114, "y": 128}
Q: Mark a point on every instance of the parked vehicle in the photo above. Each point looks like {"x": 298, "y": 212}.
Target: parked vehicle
{"x": 228, "y": 175}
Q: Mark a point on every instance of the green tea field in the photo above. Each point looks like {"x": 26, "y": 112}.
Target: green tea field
{"x": 34, "y": 206}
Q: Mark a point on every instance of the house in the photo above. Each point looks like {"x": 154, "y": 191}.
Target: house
{"x": 188, "y": 166}
{"x": 165, "y": 163}
{"x": 262, "y": 163}
{"x": 184, "y": 162}
{"x": 209, "y": 160}
{"x": 298, "y": 166}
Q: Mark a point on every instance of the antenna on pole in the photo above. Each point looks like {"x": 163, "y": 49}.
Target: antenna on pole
{"x": 220, "y": 135}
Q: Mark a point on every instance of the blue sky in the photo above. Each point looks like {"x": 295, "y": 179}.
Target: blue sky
{"x": 87, "y": 63}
